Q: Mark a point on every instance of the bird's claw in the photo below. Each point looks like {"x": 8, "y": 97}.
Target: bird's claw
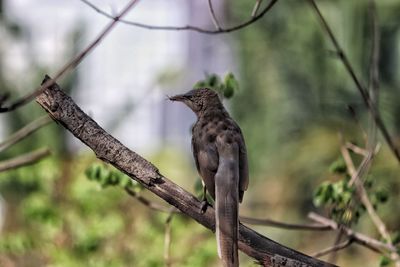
{"x": 204, "y": 205}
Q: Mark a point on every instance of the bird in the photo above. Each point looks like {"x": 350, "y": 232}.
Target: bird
{"x": 220, "y": 155}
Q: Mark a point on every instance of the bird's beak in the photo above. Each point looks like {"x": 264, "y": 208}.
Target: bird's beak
{"x": 181, "y": 97}
{"x": 177, "y": 98}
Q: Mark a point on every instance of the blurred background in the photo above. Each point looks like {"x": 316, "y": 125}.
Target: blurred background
{"x": 293, "y": 101}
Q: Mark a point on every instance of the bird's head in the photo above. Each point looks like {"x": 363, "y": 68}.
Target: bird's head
{"x": 198, "y": 99}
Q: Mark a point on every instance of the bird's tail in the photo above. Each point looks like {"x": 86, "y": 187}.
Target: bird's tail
{"x": 226, "y": 210}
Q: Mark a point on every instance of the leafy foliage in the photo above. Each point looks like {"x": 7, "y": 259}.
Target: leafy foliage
{"x": 226, "y": 87}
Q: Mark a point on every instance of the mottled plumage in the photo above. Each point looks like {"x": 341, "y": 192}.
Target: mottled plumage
{"x": 220, "y": 155}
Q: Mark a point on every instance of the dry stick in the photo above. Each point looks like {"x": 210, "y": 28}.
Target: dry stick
{"x": 187, "y": 27}
{"x": 63, "y": 109}
{"x": 148, "y": 203}
{"x": 283, "y": 225}
{"x": 24, "y": 160}
{"x": 360, "y": 238}
{"x": 334, "y": 248}
{"x": 71, "y": 64}
{"x": 373, "y": 73}
{"x": 256, "y": 8}
{"x": 356, "y": 149}
{"x": 364, "y": 93}
{"x": 213, "y": 17}
{"x": 25, "y": 131}
{"x": 167, "y": 239}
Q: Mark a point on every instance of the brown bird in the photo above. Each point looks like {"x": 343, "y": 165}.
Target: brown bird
{"x": 221, "y": 160}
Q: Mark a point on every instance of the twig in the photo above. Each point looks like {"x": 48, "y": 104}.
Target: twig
{"x": 70, "y": 65}
{"x": 362, "y": 239}
{"x": 187, "y": 27}
{"x": 362, "y": 90}
{"x": 213, "y": 17}
{"x": 373, "y": 71}
{"x": 148, "y": 203}
{"x": 24, "y": 160}
{"x": 256, "y": 8}
{"x": 167, "y": 239}
{"x": 25, "y": 131}
{"x": 334, "y": 248}
{"x": 64, "y": 110}
{"x": 356, "y": 149}
{"x": 288, "y": 226}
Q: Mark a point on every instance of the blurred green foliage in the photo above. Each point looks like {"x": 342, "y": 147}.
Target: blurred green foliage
{"x": 226, "y": 87}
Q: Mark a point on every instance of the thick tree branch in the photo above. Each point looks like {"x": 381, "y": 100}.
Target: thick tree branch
{"x": 63, "y": 109}
{"x": 24, "y": 160}
{"x": 187, "y": 27}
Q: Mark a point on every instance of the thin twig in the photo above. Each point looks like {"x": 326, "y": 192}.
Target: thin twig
{"x": 25, "y": 131}
{"x": 334, "y": 248}
{"x": 256, "y": 8}
{"x": 167, "y": 239}
{"x": 213, "y": 16}
{"x": 24, "y": 160}
{"x": 148, "y": 203}
{"x": 361, "y": 88}
{"x": 373, "y": 72}
{"x": 360, "y": 238}
{"x": 187, "y": 27}
{"x": 70, "y": 65}
{"x": 356, "y": 149}
{"x": 288, "y": 226}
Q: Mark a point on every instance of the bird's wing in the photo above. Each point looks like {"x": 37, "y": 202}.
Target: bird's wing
{"x": 206, "y": 157}
{"x": 243, "y": 168}
{"x": 227, "y": 199}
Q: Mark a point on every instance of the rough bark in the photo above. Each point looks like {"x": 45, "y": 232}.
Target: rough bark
{"x": 65, "y": 112}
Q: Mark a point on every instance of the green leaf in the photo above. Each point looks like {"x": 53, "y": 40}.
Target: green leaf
{"x": 231, "y": 85}
{"x": 384, "y": 261}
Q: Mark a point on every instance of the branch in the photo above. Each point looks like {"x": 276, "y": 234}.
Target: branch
{"x": 24, "y": 132}
{"x": 64, "y": 110}
{"x": 256, "y": 8}
{"x": 148, "y": 203}
{"x": 361, "y": 239}
{"x": 187, "y": 27}
{"x": 70, "y": 65}
{"x": 334, "y": 248}
{"x": 288, "y": 226}
{"x": 362, "y": 90}
{"x": 24, "y": 160}
{"x": 213, "y": 17}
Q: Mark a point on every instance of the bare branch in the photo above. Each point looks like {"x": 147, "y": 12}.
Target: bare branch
{"x": 24, "y": 132}
{"x": 148, "y": 203}
{"x": 167, "y": 239}
{"x": 24, "y": 160}
{"x": 334, "y": 248}
{"x": 256, "y": 8}
{"x": 356, "y": 149}
{"x": 187, "y": 27}
{"x": 361, "y": 88}
{"x": 70, "y": 65}
{"x": 213, "y": 17}
{"x": 110, "y": 150}
{"x": 362, "y": 239}
{"x": 288, "y": 226}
